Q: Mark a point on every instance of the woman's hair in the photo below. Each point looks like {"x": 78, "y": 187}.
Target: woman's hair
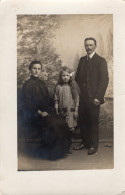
{"x": 34, "y": 62}
{"x": 73, "y": 85}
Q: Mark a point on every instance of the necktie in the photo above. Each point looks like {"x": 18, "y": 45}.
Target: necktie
{"x": 88, "y": 58}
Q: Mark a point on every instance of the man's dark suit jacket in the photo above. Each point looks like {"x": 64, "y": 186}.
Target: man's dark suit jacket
{"x": 96, "y": 77}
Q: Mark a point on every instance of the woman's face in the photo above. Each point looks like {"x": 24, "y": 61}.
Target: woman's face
{"x": 65, "y": 77}
{"x": 35, "y": 70}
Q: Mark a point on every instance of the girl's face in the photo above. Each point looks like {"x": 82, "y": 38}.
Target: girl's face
{"x": 36, "y": 69}
{"x": 65, "y": 77}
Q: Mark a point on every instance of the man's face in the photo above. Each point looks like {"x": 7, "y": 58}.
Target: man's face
{"x": 35, "y": 70}
{"x": 90, "y": 46}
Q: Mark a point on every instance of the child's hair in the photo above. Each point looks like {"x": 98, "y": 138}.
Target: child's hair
{"x": 73, "y": 85}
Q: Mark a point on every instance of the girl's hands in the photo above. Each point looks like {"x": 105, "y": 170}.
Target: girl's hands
{"x": 76, "y": 114}
{"x": 57, "y": 112}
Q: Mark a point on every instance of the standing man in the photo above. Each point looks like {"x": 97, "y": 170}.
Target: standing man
{"x": 92, "y": 78}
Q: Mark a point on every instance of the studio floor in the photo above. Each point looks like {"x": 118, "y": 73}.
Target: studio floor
{"x": 78, "y": 160}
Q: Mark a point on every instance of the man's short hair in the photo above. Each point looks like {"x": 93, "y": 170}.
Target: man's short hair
{"x": 90, "y": 38}
{"x": 34, "y": 62}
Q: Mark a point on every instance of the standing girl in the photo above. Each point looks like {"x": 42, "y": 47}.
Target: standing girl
{"x": 67, "y": 98}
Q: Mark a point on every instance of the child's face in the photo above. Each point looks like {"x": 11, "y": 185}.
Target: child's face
{"x": 65, "y": 77}
{"x": 35, "y": 70}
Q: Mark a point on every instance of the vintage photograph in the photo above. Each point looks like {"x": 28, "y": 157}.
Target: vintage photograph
{"x": 65, "y": 92}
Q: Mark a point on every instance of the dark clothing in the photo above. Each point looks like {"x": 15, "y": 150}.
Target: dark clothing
{"x": 52, "y": 131}
{"x": 35, "y": 97}
{"x": 89, "y": 121}
{"x": 96, "y": 77}
{"x": 92, "y": 78}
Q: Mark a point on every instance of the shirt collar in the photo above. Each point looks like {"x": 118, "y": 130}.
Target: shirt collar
{"x": 34, "y": 78}
{"x": 91, "y": 55}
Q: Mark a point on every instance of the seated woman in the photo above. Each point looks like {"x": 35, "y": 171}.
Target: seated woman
{"x": 37, "y": 115}
{"x": 35, "y": 95}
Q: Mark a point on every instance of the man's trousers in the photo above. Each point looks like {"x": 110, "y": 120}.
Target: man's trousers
{"x": 89, "y": 121}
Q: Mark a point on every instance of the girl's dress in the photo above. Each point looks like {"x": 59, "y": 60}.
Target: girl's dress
{"x": 66, "y": 104}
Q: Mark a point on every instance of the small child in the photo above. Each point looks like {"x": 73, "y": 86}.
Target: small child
{"x": 67, "y": 98}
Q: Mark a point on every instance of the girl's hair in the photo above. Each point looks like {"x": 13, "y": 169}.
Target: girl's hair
{"x": 73, "y": 85}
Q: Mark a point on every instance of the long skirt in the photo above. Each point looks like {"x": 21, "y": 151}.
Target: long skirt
{"x": 54, "y": 136}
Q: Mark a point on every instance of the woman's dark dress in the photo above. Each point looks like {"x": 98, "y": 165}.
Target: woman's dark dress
{"x": 53, "y": 132}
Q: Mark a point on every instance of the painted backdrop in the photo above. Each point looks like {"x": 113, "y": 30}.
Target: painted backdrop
{"x": 58, "y": 40}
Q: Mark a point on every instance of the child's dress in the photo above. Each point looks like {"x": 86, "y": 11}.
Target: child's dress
{"x": 65, "y": 103}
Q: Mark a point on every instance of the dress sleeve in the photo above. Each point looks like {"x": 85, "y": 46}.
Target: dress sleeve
{"x": 27, "y": 97}
{"x": 77, "y": 101}
{"x": 78, "y": 73}
{"x": 76, "y": 93}
{"x": 56, "y": 96}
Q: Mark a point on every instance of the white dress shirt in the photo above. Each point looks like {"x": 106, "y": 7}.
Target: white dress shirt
{"x": 90, "y": 55}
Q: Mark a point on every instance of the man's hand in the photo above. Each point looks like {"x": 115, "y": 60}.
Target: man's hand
{"x": 43, "y": 114}
{"x": 96, "y": 102}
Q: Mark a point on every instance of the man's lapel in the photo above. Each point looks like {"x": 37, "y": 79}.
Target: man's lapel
{"x": 91, "y": 62}
{"x": 82, "y": 66}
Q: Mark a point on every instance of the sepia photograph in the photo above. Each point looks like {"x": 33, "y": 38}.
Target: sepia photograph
{"x": 65, "y": 93}
{"x": 62, "y": 97}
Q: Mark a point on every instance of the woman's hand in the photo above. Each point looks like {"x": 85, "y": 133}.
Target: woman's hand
{"x": 43, "y": 114}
